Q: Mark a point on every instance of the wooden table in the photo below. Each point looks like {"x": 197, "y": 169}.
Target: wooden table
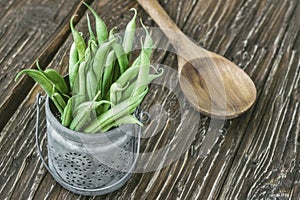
{"x": 254, "y": 156}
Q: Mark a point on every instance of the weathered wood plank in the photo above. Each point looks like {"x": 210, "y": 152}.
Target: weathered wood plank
{"x": 270, "y": 151}
{"x": 259, "y": 46}
{"x": 253, "y": 156}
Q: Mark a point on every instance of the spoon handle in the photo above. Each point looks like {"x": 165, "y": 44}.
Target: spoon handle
{"x": 162, "y": 19}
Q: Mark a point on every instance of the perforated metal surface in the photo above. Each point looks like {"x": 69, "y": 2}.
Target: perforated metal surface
{"x": 91, "y": 164}
{"x": 87, "y": 169}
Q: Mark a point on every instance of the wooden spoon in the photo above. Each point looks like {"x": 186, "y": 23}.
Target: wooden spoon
{"x": 212, "y": 84}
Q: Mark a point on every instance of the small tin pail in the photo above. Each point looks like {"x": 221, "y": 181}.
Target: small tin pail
{"x": 89, "y": 164}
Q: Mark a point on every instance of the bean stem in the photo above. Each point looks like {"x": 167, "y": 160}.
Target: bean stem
{"x": 122, "y": 109}
{"x": 101, "y": 29}
{"x": 79, "y": 41}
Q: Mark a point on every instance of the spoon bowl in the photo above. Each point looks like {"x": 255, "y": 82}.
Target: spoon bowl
{"x": 213, "y": 85}
{"x": 221, "y": 92}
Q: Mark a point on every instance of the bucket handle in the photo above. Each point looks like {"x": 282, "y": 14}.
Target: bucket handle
{"x": 40, "y": 100}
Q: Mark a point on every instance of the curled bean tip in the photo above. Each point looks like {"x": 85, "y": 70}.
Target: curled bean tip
{"x": 93, "y": 42}
{"x": 142, "y": 23}
{"x": 135, "y": 12}
{"x": 84, "y": 3}
{"x": 38, "y": 65}
{"x": 142, "y": 44}
{"x": 157, "y": 70}
{"x": 72, "y": 18}
{"x": 160, "y": 70}
{"x": 71, "y": 22}
{"x": 113, "y": 29}
{"x": 111, "y": 32}
{"x": 119, "y": 39}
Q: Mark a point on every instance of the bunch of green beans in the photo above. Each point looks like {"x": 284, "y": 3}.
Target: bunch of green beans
{"x": 103, "y": 90}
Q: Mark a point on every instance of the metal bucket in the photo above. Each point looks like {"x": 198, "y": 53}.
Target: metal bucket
{"x": 89, "y": 164}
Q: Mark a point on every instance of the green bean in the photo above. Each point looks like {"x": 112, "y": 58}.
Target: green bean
{"x": 59, "y": 102}
{"x": 75, "y": 89}
{"x": 137, "y": 61}
{"x": 88, "y": 52}
{"x": 94, "y": 47}
{"x": 148, "y": 40}
{"x": 99, "y": 60}
{"x": 111, "y": 34}
{"x": 122, "y": 109}
{"x": 116, "y": 92}
{"x": 81, "y": 119}
{"x": 105, "y": 91}
{"x": 129, "y": 119}
{"x": 82, "y": 114}
{"x": 104, "y": 107}
{"x": 85, "y": 113}
{"x": 101, "y": 29}
{"x": 107, "y": 74}
{"x": 120, "y": 54}
{"x": 55, "y": 78}
{"x": 38, "y": 77}
{"x": 82, "y": 78}
{"x": 121, "y": 57}
{"x": 116, "y": 72}
{"x": 87, "y": 103}
{"x": 151, "y": 77}
{"x": 47, "y": 85}
{"x": 144, "y": 60}
{"x": 73, "y": 65}
{"x": 141, "y": 83}
{"x": 116, "y": 68}
{"x": 129, "y": 90}
{"x": 129, "y": 34}
{"x": 79, "y": 41}
{"x": 128, "y": 76}
{"x": 92, "y": 35}
{"x": 91, "y": 84}
{"x": 92, "y": 44}
{"x": 81, "y": 82}
{"x": 115, "y": 115}
{"x": 67, "y": 115}
{"x": 91, "y": 105}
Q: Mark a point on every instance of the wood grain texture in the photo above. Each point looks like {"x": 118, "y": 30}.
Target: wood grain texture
{"x": 255, "y": 156}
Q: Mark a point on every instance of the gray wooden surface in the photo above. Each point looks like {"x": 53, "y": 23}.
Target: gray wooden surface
{"x": 254, "y": 156}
